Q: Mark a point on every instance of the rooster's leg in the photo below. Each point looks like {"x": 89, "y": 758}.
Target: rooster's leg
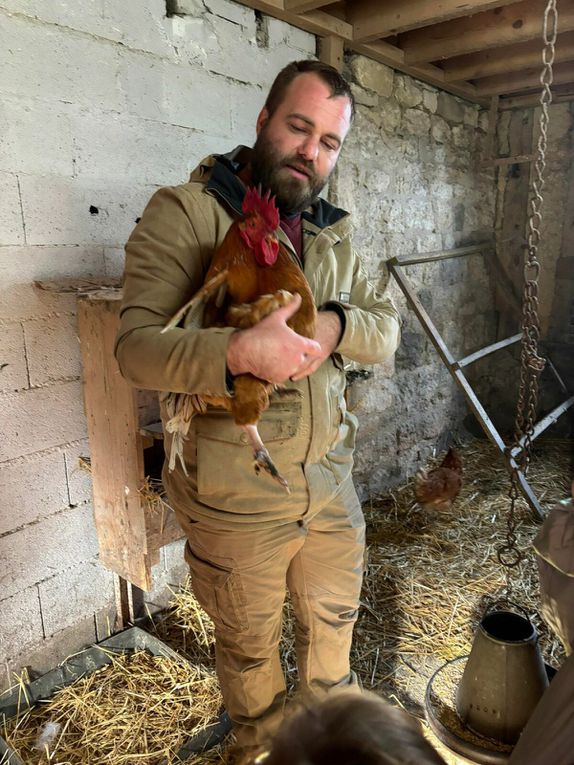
{"x": 261, "y": 455}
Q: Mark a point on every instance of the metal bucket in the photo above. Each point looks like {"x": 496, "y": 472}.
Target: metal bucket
{"x": 504, "y": 677}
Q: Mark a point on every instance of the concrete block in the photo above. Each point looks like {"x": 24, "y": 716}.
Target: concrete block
{"x": 191, "y": 7}
{"x": 11, "y": 223}
{"x": 195, "y": 39}
{"x": 13, "y": 371}
{"x": 115, "y": 146}
{"x": 19, "y": 266}
{"x": 23, "y": 150}
{"x": 301, "y": 40}
{"x": 373, "y": 76}
{"x": 53, "y": 349}
{"x": 141, "y": 78}
{"x": 52, "y": 64}
{"x": 114, "y": 260}
{"x": 234, "y": 54}
{"x": 85, "y": 17}
{"x": 41, "y": 655}
{"x": 234, "y": 12}
{"x": 21, "y": 621}
{"x": 169, "y": 574}
{"x": 79, "y": 479}
{"x": 247, "y": 104}
{"x": 46, "y": 548}
{"x": 197, "y": 99}
{"x": 41, "y": 418}
{"x": 32, "y": 488}
{"x": 139, "y": 24}
{"x": 74, "y": 594}
{"x": 80, "y": 211}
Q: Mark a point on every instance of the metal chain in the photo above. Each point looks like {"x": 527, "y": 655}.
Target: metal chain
{"x": 532, "y": 363}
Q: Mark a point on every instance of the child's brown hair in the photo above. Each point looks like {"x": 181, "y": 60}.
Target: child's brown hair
{"x": 351, "y": 728}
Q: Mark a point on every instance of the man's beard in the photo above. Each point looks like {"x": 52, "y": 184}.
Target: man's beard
{"x": 268, "y": 168}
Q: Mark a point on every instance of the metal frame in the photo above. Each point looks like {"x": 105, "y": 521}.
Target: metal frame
{"x": 455, "y": 366}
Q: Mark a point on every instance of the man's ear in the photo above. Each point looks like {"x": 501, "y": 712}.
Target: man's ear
{"x": 262, "y": 119}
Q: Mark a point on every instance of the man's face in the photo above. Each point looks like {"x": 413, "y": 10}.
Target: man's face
{"x": 298, "y": 146}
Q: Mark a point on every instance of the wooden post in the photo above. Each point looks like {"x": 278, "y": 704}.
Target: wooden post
{"x": 331, "y": 51}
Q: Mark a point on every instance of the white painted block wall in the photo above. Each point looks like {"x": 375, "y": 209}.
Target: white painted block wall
{"x": 101, "y": 102}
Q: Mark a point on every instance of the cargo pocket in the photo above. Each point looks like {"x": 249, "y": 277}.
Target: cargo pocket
{"x": 219, "y": 592}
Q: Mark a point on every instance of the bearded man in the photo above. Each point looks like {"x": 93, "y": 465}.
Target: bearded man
{"x": 244, "y": 549}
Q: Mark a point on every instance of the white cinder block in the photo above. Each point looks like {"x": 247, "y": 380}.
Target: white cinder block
{"x": 73, "y": 594}
{"x": 197, "y": 99}
{"x": 139, "y": 24}
{"x": 44, "y": 549}
{"x": 53, "y": 64}
{"x": 32, "y": 488}
{"x": 77, "y": 211}
{"x": 13, "y": 372}
{"x": 235, "y": 12}
{"x": 79, "y": 479}
{"x": 11, "y": 223}
{"x": 41, "y": 418}
{"x": 142, "y": 81}
{"x": 247, "y": 104}
{"x": 20, "y": 266}
{"x": 119, "y": 147}
{"x": 36, "y": 138}
{"x": 83, "y": 16}
{"x": 21, "y": 621}
{"x": 53, "y": 349}
{"x": 305, "y": 42}
{"x": 114, "y": 260}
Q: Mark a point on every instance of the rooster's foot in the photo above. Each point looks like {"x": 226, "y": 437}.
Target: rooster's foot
{"x": 264, "y": 461}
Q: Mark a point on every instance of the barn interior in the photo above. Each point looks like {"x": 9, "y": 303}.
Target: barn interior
{"x": 459, "y": 176}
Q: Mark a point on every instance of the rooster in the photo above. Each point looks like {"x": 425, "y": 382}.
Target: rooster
{"x": 437, "y": 488}
{"x": 251, "y": 274}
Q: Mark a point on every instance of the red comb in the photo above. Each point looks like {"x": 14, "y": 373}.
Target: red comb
{"x": 264, "y": 205}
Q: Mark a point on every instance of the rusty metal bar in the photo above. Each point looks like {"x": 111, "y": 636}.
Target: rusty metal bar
{"x": 459, "y": 252}
{"x": 457, "y": 374}
{"x": 487, "y": 350}
{"x": 546, "y": 422}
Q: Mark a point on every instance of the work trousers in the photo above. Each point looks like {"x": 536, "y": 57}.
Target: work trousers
{"x": 240, "y": 579}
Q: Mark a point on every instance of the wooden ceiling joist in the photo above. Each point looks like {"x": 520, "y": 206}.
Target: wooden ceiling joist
{"x": 471, "y": 48}
{"x": 372, "y": 19}
{"x": 492, "y": 29}
{"x": 510, "y": 58}
{"x": 520, "y": 81}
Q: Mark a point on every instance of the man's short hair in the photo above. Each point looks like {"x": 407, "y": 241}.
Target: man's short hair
{"x": 336, "y": 83}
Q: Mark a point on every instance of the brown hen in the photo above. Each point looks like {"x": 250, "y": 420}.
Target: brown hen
{"x": 251, "y": 274}
{"x": 437, "y": 488}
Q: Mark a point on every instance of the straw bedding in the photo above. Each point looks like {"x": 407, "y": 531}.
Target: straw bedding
{"x": 429, "y": 577}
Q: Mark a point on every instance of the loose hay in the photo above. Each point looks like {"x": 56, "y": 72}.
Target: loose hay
{"x": 138, "y": 709}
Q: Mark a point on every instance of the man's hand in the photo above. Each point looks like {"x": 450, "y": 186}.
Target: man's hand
{"x": 327, "y": 334}
{"x": 271, "y": 350}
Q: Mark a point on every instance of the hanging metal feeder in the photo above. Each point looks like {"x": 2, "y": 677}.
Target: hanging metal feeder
{"x": 492, "y": 695}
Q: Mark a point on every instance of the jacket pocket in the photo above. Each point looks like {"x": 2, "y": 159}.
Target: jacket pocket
{"x": 226, "y": 479}
{"x": 219, "y": 592}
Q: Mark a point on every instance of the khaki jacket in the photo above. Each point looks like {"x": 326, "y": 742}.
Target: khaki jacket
{"x": 307, "y": 430}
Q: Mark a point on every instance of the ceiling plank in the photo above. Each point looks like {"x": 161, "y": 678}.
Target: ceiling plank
{"x": 372, "y": 18}
{"x": 503, "y": 26}
{"x": 316, "y": 22}
{"x": 393, "y": 57}
{"x": 560, "y": 94}
{"x": 510, "y": 58}
{"x": 527, "y": 80}
{"x": 302, "y": 6}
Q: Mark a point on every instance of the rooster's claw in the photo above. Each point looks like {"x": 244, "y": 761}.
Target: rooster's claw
{"x": 264, "y": 461}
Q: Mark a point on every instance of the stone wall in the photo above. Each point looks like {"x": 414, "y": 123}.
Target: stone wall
{"x": 411, "y": 175}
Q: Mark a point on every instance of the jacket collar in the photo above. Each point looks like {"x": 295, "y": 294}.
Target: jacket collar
{"x": 219, "y": 173}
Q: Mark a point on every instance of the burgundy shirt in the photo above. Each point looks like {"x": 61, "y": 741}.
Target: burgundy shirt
{"x": 292, "y": 227}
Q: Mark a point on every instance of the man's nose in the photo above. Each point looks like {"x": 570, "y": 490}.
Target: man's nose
{"x": 309, "y": 149}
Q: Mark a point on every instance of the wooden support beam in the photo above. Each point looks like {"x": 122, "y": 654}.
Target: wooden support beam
{"x": 510, "y": 58}
{"x": 372, "y": 19}
{"x": 492, "y": 125}
{"x": 303, "y": 6}
{"x": 315, "y": 22}
{"x": 394, "y": 57}
{"x": 521, "y": 81}
{"x": 559, "y": 95}
{"x": 503, "y": 26}
{"x": 331, "y": 50}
